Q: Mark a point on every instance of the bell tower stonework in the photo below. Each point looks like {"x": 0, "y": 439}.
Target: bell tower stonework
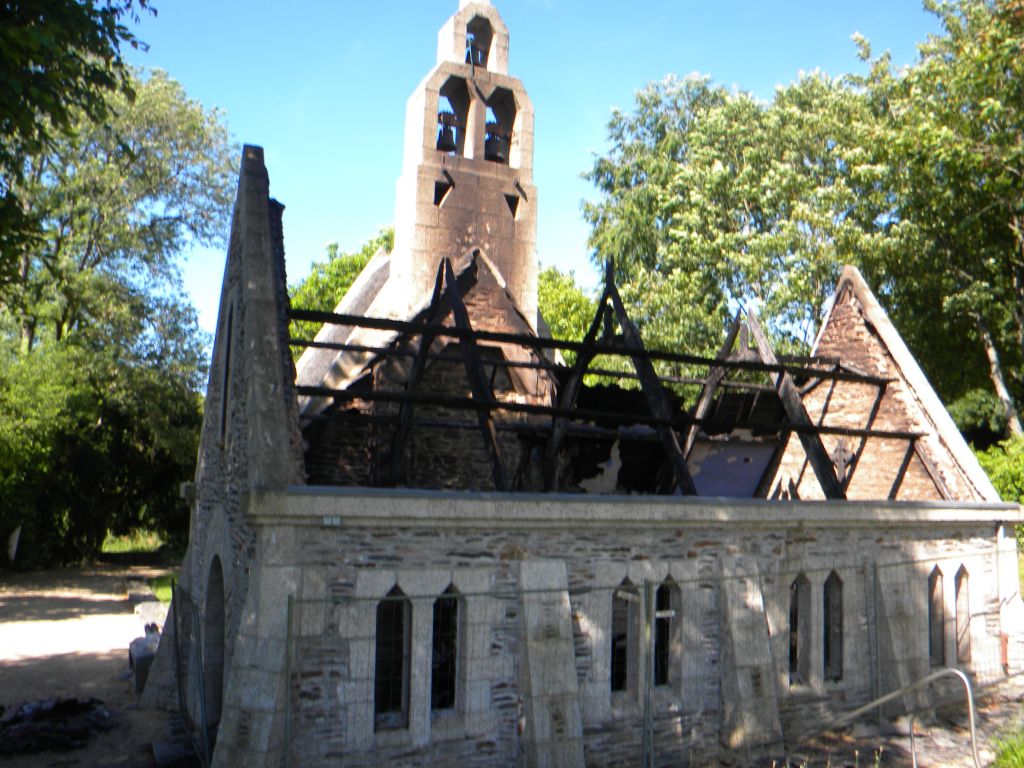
{"x": 467, "y": 174}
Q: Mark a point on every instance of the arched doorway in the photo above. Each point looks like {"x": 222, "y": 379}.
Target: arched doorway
{"x": 213, "y": 650}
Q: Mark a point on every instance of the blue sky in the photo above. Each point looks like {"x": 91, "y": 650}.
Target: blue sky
{"x": 322, "y": 86}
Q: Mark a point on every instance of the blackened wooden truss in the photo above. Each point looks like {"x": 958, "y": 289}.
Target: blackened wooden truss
{"x": 677, "y": 432}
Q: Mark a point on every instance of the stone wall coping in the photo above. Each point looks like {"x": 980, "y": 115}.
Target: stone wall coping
{"x": 329, "y": 506}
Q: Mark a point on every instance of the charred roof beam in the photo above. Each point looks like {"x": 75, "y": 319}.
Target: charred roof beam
{"x": 479, "y": 385}
{"x": 598, "y": 348}
{"x": 651, "y": 387}
{"x": 399, "y": 465}
{"x": 711, "y": 383}
{"x": 817, "y": 456}
{"x": 568, "y": 395}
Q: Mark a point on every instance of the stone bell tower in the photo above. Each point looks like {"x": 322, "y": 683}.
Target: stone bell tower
{"x": 466, "y": 182}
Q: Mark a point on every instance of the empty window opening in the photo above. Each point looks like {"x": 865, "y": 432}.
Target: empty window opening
{"x": 441, "y": 190}
{"x": 500, "y": 123}
{"x": 444, "y": 660}
{"x": 936, "y": 620}
{"x": 391, "y": 675}
{"x": 799, "y": 630}
{"x": 226, "y": 383}
{"x": 664, "y": 617}
{"x": 963, "y": 617}
{"x": 479, "y": 35}
{"x": 452, "y": 114}
{"x": 833, "y": 634}
{"x": 624, "y": 602}
{"x": 513, "y": 204}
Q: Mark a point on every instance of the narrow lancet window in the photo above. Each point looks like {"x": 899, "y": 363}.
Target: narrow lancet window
{"x": 479, "y": 35}
{"x": 799, "y": 630}
{"x": 444, "y": 659}
{"x": 833, "y": 629}
{"x": 963, "y": 617}
{"x": 936, "y": 620}
{"x": 391, "y": 674}
{"x": 663, "y": 622}
{"x": 624, "y": 602}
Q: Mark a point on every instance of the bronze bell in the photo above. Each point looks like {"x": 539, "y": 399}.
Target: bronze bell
{"x": 496, "y": 148}
{"x": 475, "y": 56}
{"x": 446, "y": 139}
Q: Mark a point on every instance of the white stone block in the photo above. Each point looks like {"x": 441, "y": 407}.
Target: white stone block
{"x": 372, "y": 583}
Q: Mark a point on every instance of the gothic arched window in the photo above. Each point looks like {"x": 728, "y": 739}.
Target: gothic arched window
{"x": 963, "y": 616}
{"x": 799, "y": 630}
{"x": 936, "y": 620}
{"x": 444, "y": 664}
{"x": 833, "y": 629}
{"x": 391, "y": 673}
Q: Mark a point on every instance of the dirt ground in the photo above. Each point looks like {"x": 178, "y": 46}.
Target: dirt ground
{"x": 65, "y": 633}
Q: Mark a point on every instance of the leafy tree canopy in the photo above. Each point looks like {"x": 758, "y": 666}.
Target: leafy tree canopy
{"x": 566, "y": 309}
{"x": 59, "y": 60}
{"x": 101, "y": 359}
{"x": 948, "y": 131}
{"x": 710, "y": 199}
{"x": 1004, "y": 463}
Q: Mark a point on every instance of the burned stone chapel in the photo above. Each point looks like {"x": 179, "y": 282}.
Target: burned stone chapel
{"x": 443, "y": 537}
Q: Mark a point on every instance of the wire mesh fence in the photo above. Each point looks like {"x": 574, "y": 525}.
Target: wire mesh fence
{"x": 190, "y": 670}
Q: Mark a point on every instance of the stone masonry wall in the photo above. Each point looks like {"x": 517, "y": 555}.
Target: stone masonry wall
{"x": 332, "y": 683}
{"x": 250, "y": 441}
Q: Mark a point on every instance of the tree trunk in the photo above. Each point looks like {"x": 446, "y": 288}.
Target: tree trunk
{"x": 27, "y": 325}
{"x": 998, "y": 381}
{"x": 1018, "y": 282}
{"x": 27, "y": 334}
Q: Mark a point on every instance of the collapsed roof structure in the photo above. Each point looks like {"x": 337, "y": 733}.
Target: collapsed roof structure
{"x": 747, "y": 432}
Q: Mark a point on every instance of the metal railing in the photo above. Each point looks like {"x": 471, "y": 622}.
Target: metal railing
{"x": 849, "y": 717}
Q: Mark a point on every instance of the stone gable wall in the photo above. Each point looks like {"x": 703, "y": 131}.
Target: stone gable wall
{"x": 849, "y": 337}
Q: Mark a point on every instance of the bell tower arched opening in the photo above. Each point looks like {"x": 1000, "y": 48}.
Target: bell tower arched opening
{"x": 452, "y": 117}
{"x": 500, "y": 128}
{"x": 479, "y": 36}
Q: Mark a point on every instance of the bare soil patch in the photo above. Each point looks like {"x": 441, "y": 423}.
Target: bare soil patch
{"x": 65, "y": 633}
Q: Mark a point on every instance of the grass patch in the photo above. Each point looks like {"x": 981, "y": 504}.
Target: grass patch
{"x": 136, "y": 541}
{"x": 161, "y": 586}
{"x": 1010, "y": 751}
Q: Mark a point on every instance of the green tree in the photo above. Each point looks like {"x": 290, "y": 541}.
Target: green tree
{"x": 566, "y": 309}
{"x": 58, "y": 60}
{"x": 118, "y": 202}
{"x": 102, "y": 359}
{"x": 950, "y": 132}
{"x": 328, "y": 281}
{"x": 713, "y": 199}
{"x": 1004, "y": 463}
